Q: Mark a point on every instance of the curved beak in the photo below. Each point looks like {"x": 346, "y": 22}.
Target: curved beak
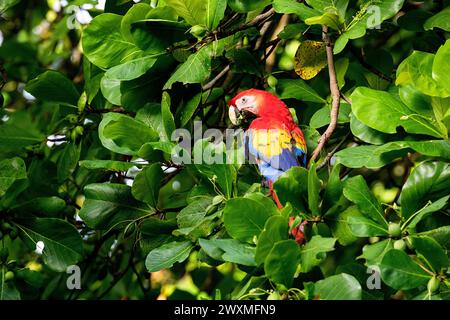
{"x": 234, "y": 114}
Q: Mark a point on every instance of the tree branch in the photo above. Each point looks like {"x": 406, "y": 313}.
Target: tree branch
{"x": 335, "y": 95}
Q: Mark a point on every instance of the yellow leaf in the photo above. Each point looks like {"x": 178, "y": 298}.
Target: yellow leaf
{"x": 310, "y": 58}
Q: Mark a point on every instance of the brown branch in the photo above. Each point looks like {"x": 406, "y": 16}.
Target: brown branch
{"x": 117, "y": 110}
{"x": 219, "y": 76}
{"x": 332, "y": 152}
{"x": 335, "y": 95}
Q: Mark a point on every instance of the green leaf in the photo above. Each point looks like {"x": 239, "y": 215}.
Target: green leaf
{"x": 428, "y": 181}
{"x": 378, "y": 156}
{"x": 291, "y": 187}
{"x": 195, "y": 69}
{"x": 168, "y": 254}
{"x": 67, "y": 161}
{"x": 247, "y": 5}
{"x": 11, "y": 170}
{"x": 146, "y": 184}
{"x": 130, "y": 70}
{"x": 357, "y": 191}
{"x": 245, "y": 218}
{"x": 314, "y": 252}
{"x": 292, "y": 6}
{"x": 215, "y": 11}
{"x": 441, "y": 69}
{"x": 103, "y": 43}
{"x": 13, "y": 137}
{"x": 365, "y": 18}
{"x": 440, "y": 20}
{"x": 8, "y": 290}
{"x": 5, "y": 5}
{"x": 230, "y": 250}
{"x": 441, "y": 235}
{"x": 108, "y": 205}
{"x": 400, "y": 272}
{"x": 275, "y": 230}
{"x": 338, "y": 287}
{"x": 63, "y": 245}
{"x": 193, "y": 214}
{"x": 166, "y": 114}
{"x": 329, "y": 19}
{"x": 219, "y": 173}
{"x": 363, "y": 227}
{"x": 282, "y": 261}
{"x": 429, "y": 208}
{"x": 417, "y": 70}
{"x": 298, "y": 89}
{"x": 374, "y": 253}
{"x": 313, "y": 190}
{"x": 340, "y": 227}
{"x": 123, "y": 134}
{"x": 189, "y": 108}
{"x": 193, "y": 12}
{"x": 383, "y": 112}
{"x": 110, "y": 165}
{"x": 366, "y": 133}
{"x": 53, "y": 86}
{"x": 431, "y": 252}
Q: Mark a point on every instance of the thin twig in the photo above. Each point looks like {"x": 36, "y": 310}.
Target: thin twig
{"x": 332, "y": 152}
{"x": 219, "y": 76}
{"x": 335, "y": 95}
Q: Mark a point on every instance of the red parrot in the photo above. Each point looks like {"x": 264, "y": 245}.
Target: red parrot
{"x": 273, "y": 138}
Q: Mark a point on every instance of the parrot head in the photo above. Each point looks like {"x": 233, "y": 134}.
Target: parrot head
{"x": 256, "y": 103}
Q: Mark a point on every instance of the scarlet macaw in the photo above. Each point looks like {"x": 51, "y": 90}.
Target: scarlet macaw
{"x": 273, "y": 138}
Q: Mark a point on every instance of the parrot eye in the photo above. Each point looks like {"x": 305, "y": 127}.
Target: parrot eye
{"x": 244, "y": 100}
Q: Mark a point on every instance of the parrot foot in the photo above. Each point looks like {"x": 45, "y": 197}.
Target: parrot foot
{"x": 274, "y": 196}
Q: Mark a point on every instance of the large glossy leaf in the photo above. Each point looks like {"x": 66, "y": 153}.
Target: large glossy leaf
{"x": 298, "y": 89}
{"x": 168, "y": 254}
{"x": 374, "y": 253}
{"x": 123, "y": 134}
{"x": 13, "y": 137}
{"x": 428, "y": 209}
{"x": 194, "y": 12}
{"x": 215, "y": 11}
{"x": 230, "y": 250}
{"x": 417, "y": 70}
{"x": 339, "y": 225}
{"x": 378, "y": 156}
{"x": 440, "y": 20}
{"x": 11, "y": 170}
{"x": 63, "y": 245}
{"x": 357, "y": 191}
{"x": 245, "y": 218}
{"x": 275, "y": 229}
{"x": 441, "y": 69}
{"x": 131, "y": 69}
{"x": 292, "y": 187}
{"x": 364, "y": 227}
{"x": 428, "y": 181}
{"x": 382, "y": 111}
{"x": 247, "y": 5}
{"x": 366, "y": 133}
{"x": 282, "y": 261}
{"x": 195, "y": 69}
{"x": 106, "y": 165}
{"x": 313, "y": 190}
{"x": 103, "y": 43}
{"x": 146, "y": 184}
{"x": 108, "y": 205}
{"x": 292, "y": 6}
{"x": 53, "y": 86}
{"x": 433, "y": 254}
{"x": 400, "y": 272}
{"x": 314, "y": 252}
{"x": 68, "y": 160}
{"x": 338, "y": 287}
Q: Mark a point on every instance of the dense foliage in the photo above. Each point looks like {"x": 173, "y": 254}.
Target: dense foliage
{"x": 92, "y": 92}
